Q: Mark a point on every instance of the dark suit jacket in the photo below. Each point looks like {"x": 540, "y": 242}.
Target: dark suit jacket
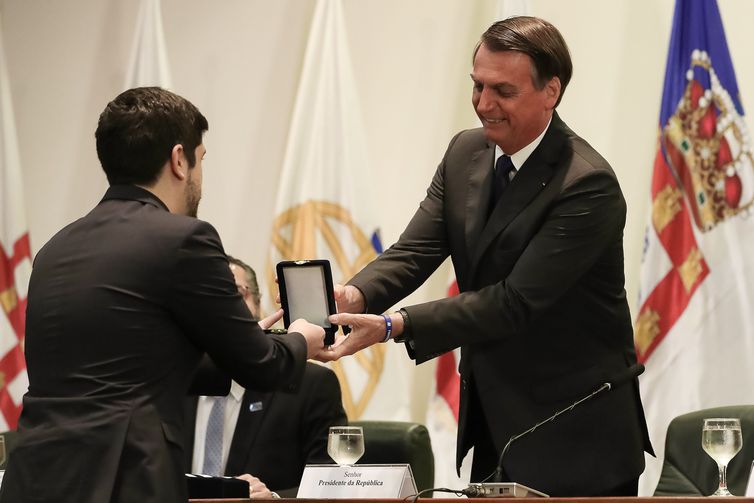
{"x": 120, "y": 306}
{"x": 290, "y": 431}
{"x": 542, "y": 317}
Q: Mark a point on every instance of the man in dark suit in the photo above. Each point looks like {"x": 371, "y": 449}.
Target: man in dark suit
{"x": 532, "y": 218}
{"x": 268, "y": 437}
{"x": 122, "y": 304}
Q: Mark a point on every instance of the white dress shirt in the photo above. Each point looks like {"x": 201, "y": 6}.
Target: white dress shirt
{"x": 204, "y": 405}
{"x": 519, "y": 158}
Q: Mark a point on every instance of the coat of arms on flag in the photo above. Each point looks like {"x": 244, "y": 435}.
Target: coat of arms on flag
{"x": 707, "y": 144}
{"x": 316, "y": 229}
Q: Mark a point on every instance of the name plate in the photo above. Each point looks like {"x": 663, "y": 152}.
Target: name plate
{"x": 357, "y": 481}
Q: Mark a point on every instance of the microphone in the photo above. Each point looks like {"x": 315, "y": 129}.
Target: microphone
{"x": 622, "y": 377}
{"x": 626, "y": 375}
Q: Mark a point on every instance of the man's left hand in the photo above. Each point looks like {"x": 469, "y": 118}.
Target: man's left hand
{"x": 257, "y": 488}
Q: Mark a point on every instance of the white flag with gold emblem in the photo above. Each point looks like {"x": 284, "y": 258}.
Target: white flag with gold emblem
{"x": 323, "y": 206}
{"x": 15, "y": 263}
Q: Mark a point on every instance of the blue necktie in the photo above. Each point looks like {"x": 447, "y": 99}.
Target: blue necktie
{"x": 503, "y": 169}
{"x": 213, "y": 441}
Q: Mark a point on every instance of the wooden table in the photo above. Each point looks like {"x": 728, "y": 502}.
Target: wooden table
{"x": 651, "y": 499}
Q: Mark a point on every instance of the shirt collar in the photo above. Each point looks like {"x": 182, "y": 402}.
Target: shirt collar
{"x": 519, "y": 158}
{"x": 134, "y": 193}
{"x": 236, "y": 391}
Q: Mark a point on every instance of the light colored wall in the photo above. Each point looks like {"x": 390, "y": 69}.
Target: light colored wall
{"x": 239, "y": 62}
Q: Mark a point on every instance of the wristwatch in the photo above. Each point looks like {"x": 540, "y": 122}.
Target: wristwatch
{"x": 406, "y": 334}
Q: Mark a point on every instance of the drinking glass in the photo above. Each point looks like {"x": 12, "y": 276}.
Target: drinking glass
{"x": 345, "y": 444}
{"x": 721, "y": 439}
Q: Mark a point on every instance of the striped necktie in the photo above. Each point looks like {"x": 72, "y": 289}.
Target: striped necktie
{"x": 213, "y": 441}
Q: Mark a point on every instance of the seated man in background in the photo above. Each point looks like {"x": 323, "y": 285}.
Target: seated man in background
{"x": 264, "y": 438}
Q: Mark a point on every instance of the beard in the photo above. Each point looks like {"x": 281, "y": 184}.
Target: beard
{"x": 193, "y": 195}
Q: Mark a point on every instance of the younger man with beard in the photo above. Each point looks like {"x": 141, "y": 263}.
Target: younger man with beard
{"x": 122, "y": 303}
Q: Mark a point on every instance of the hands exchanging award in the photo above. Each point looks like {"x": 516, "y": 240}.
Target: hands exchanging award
{"x": 365, "y": 329}
{"x": 307, "y": 291}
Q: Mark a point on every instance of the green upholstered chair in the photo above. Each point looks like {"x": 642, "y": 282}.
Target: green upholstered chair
{"x": 688, "y": 470}
{"x": 392, "y": 442}
{"x": 10, "y": 439}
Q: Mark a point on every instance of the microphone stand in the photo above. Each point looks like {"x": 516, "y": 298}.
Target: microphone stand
{"x": 493, "y": 489}
{"x": 497, "y": 475}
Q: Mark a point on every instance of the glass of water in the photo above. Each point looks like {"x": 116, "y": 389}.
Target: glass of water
{"x": 345, "y": 444}
{"x": 721, "y": 439}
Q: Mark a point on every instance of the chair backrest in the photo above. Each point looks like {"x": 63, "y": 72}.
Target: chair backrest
{"x": 390, "y": 442}
{"x": 688, "y": 470}
{"x": 9, "y": 438}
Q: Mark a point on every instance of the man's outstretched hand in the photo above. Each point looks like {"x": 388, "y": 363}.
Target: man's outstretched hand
{"x": 366, "y": 330}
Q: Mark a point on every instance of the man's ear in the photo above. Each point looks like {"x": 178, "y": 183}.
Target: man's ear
{"x": 552, "y": 88}
{"x": 178, "y": 163}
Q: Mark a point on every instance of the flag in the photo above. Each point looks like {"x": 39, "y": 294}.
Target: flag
{"x": 442, "y": 413}
{"x": 695, "y": 329}
{"x": 15, "y": 263}
{"x": 148, "y": 64}
{"x": 323, "y": 207}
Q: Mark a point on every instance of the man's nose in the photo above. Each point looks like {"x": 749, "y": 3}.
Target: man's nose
{"x": 485, "y": 103}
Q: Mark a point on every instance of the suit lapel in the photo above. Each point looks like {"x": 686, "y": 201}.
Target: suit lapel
{"x": 247, "y": 427}
{"x": 530, "y": 180}
{"x": 189, "y": 408}
{"x": 478, "y": 193}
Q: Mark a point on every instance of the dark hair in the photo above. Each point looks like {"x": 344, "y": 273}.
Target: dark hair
{"x": 251, "y": 278}
{"x": 538, "y": 39}
{"x": 137, "y": 131}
